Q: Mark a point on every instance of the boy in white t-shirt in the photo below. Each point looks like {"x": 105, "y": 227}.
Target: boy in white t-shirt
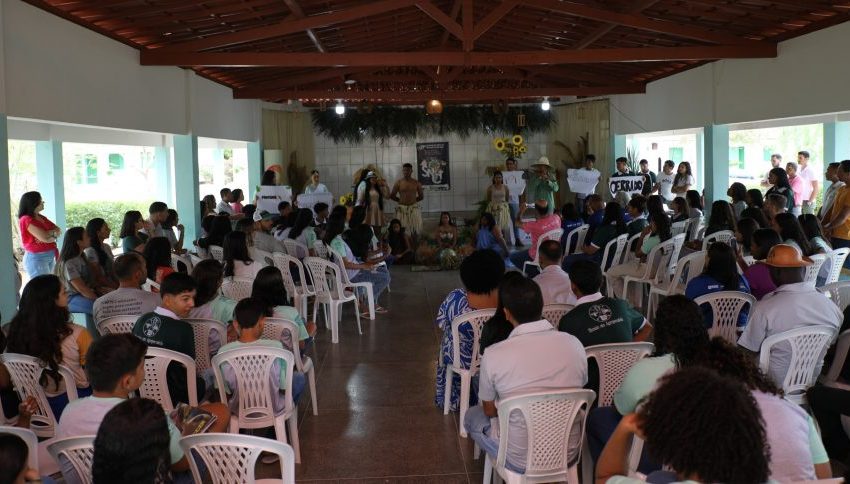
{"x": 664, "y": 182}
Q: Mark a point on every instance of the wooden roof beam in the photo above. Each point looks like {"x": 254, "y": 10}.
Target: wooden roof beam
{"x": 440, "y": 17}
{"x": 603, "y": 30}
{"x": 162, "y": 57}
{"x": 297, "y": 12}
{"x": 444, "y": 95}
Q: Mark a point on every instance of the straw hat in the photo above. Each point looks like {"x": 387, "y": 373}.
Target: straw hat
{"x": 542, "y": 161}
{"x": 784, "y": 255}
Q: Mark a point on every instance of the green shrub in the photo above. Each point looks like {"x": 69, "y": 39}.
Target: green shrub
{"x": 79, "y": 214}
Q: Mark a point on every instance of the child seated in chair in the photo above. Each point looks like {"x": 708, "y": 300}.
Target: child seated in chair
{"x": 248, "y": 321}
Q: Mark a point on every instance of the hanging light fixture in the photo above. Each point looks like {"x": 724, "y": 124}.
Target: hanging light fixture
{"x": 340, "y": 108}
{"x": 545, "y": 104}
{"x": 434, "y": 106}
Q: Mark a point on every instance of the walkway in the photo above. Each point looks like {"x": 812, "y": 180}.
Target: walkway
{"x": 376, "y": 421}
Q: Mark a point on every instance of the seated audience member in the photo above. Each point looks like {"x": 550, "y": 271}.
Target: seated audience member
{"x": 360, "y": 237}
{"x": 246, "y": 226}
{"x": 611, "y": 227}
{"x": 42, "y": 328}
{"x": 132, "y": 236}
{"x": 224, "y": 207}
{"x": 321, "y": 209}
{"x": 721, "y": 218}
{"x": 636, "y": 209}
{"x": 158, "y": 212}
{"x": 237, "y": 197}
{"x": 249, "y": 211}
{"x": 755, "y": 207}
{"x": 553, "y": 281}
{"x": 171, "y": 222}
{"x": 303, "y": 232}
{"x": 535, "y": 357}
{"x": 489, "y": 236}
{"x": 694, "y": 204}
{"x": 209, "y": 302}
{"x": 129, "y": 299}
{"x": 284, "y": 210}
{"x": 237, "y": 259}
{"x": 679, "y": 421}
{"x": 73, "y": 268}
{"x": 263, "y": 239}
{"x": 480, "y": 274}
{"x": 814, "y": 233}
{"x": 681, "y": 210}
{"x": 248, "y": 321}
{"x": 719, "y": 273}
{"x": 358, "y": 271}
{"x": 544, "y": 223}
{"x": 744, "y": 235}
{"x": 209, "y": 205}
{"x": 446, "y": 232}
{"x": 158, "y": 258}
{"x": 658, "y": 231}
{"x": 268, "y": 289}
{"x": 99, "y": 255}
{"x": 570, "y": 220}
{"x": 791, "y": 233}
{"x": 598, "y": 319}
{"x": 679, "y": 336}
{"x": 498, "y": 328}
{"x": 164, "y": 328}
{"x": 737, "y": 193}
{"x": 400, "y": 244}
{"x": 219, "y": 228}
{"x": 14, "y": 460}
{"x": 133, "y": 444}
{"x": 774, "y": 204}
{"x": 595, "y": 212}
{"x": 758, "y": 274}
{"x": 829, "y": 405}
{"x": 115, "y": 366}
{"x": 794, "y": 304}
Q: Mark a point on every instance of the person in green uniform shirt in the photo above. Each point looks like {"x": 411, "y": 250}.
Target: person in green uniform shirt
{"x": 542, "y": 185}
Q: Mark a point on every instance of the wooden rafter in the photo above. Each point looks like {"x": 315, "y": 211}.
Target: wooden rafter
{"x": 444, "y": 95}
{"x": 297, "y": 12}
{"x": 440, "y": 17}
{"x": 493, "y": 18}
{"x": 602, "y": 30}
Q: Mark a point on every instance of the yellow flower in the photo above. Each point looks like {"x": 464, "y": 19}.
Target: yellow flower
{"x": 499, "y": 144}
{"x": 523, "y": 149}
{"x": 517, "y": 139}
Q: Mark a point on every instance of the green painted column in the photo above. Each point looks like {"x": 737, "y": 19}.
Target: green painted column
{"x": 618, "y": 149}
{"x": 164, "y": 175}
{"x": 8, "y": 276}
{"x": 186, "y": 185}
{"x": 255, "y": 169}
{"x": 51, "y": 181}
{"x": 716, "y": 156}
{"x": 836, "y": 142}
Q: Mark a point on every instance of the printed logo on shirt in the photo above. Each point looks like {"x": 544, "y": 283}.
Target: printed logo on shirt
{"x": 599, "y": 313}
{"x": 152, "y": 327}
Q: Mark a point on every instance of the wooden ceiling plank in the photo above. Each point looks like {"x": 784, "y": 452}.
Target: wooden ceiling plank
{"x": 296, "y": 10}
{"x": 453, "y": 15}
{"x": 446, "y": 95}
{"x": 603, "y": 30}
{"x": 440, "y": 17}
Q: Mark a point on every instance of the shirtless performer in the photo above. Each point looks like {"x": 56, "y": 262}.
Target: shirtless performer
{"x": 408, "y": 193}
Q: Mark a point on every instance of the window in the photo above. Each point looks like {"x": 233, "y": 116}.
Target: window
{"x": 767, "y": 153}
{"x": 677, "y": 154}
{"x": 736, "y": 157}
{"x": 116, "y": 163}
{"x": 85, "y": 169}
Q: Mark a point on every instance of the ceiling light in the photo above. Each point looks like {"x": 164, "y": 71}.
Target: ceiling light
{"x": 350, "y": 81}
{"x": 340, "y": 108}
{"x": 545, "y": 104}
{"x": 434, "y": 106}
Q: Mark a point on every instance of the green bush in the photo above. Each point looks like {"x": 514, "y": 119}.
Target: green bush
{"x": 79, "y": 214}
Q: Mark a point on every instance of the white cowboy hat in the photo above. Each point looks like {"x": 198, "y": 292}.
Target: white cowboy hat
{"x": 542, "y": 161}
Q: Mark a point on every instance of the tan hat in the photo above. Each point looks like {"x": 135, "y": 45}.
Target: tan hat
{"x": 542, "y": 161}
{"x": 784, "y": 255}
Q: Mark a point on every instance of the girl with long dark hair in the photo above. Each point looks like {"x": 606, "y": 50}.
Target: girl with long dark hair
{"x": 219, "y": 228}
{"x": 268, "y": 288}
{"x": 361, "y": 237}
{"x": 694, "y": 203}
{"x": 376, "y": 191}
{"x": 755, "y": 207}
{"x": 42, "y": 328}
{"x": 171, "y": 222}
{"x": 132, "y": 237}
{"x": 613, "y": 225}
{"x": 74, "y": 271}
{"x": 681, "y": 209}
{"x": 781, "y": 186}
{"x": 738, "y": 194}
{"x": 446, "y": 231}
{"x": 744, "y": 234}
{"x": 38, "y": 235}
{"x": 358, "y": 271}
{"x": 158, "y": 258}
{"x": 813, "y": 231}
{"x": 488, "y": 235}
{"x": 237, "y": 257}
{"x": 791, "y": 233}
{"x": 684, "y": 179}
{"x": 497, "y": 196}
{"x": 303, "y": 231}
{"x": 238, "y": 198}
{"x": 720, "y": 273}
{"x": 209, "y": 302}
{"x": 658, "y": 230}
{"x": 99, "y": 255}
{"x": 399, "y": 243}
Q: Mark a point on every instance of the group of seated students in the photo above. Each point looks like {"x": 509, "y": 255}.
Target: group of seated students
{"x": 681, "y": 400}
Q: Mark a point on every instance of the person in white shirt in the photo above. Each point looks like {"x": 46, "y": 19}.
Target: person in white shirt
{"x": 129, "y": 299}
{"x": 664, "y": 182}
{"x": 314, "y": 186}
{"x": 794, "y": 304}
{"x": 534, "y": 358}
{"x": 834, "y": 186}
{"x": 589, "y": 161}
{"x": 237, "y": 257}
{"x": 224, "y": 207}
{"x": 810, "y": 176}
{"x": 553, "y": 281}
{"x": 158, "y": 212}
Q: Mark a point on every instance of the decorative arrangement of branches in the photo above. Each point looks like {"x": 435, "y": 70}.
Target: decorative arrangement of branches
{"x": 575, "y": 159}
{"x": 633, "y": 158}
{"x": 382, "y": 123}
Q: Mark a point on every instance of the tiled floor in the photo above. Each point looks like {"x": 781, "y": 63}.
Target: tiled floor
{"x": 377, "y": 422}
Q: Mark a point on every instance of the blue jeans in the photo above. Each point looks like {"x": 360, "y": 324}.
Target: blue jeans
{"x": 478, "y": 426}
{"x": 299, "y": 382}
{"x": 39, "y": 263}
{"x": 81, "y": 304}
{"x": 380, "y": 279}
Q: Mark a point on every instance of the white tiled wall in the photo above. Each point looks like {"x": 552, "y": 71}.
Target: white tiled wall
{"x": 468, "y": 158}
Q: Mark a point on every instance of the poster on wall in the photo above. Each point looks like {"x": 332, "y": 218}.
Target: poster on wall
{"x": 432, "y": 161}
{"x": 628, "y": 184}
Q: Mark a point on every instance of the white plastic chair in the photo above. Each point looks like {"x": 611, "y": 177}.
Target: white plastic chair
{"x": 347, "y": 285}
{"x": 555, "y": 311}
{"x": 812, "y": 271}
{"x": 577, "y": 234}
{"x": 657, "y": 263}
{"x": 836, "y": 263}
{"x": 286, "y": 331}
{"x": 296, "y": 249}
{"x": 808, "y": 348}
{"x": 613, "y": 250}
{"x": 216, "y": 252}
{"x": 720, "y": 236}
{"x": 687, "y": 268}
{"x": 79, "y": 451}
{"x": 232, "y": 459}
{"x": 327, "y": 282}
{"x": 262, "y": 256}
{"x": 679, "y": 227}
{"x": 117, "y": 324}
{"x": 838, "y": 292}
{"x": 475, "y": 319}
{"x": 29, "y": 437}
{"x": 202, "y": 329}
{"x": 237, "y": 288}
{"x": 842, "y": 347}
{"x": 694, "y": 226}
{"x": 629, "y": 254}
{"x": 26, "y": 372}
{"x": 726, "y": 306}
{"x": 301, "y": 292}
{"x": 185, "y": 259}
{"x": 155, "y": 385}
{"x": 321, "y": 249}
{"x": 553, "y": 453}
{"x": 550, "y": 235}
{"x": 255, "y": 402}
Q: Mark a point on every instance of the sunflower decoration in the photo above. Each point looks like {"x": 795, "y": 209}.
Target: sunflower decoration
{"x": 347, "y": 199}
{"x": 513, "y": 147}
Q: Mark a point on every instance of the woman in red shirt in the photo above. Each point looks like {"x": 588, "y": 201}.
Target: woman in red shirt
{"x": 38, "y": 236}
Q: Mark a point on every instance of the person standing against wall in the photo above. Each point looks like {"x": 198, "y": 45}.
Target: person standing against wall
{"x": 811, "y": 178}
{"x": 38, "y": 236}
